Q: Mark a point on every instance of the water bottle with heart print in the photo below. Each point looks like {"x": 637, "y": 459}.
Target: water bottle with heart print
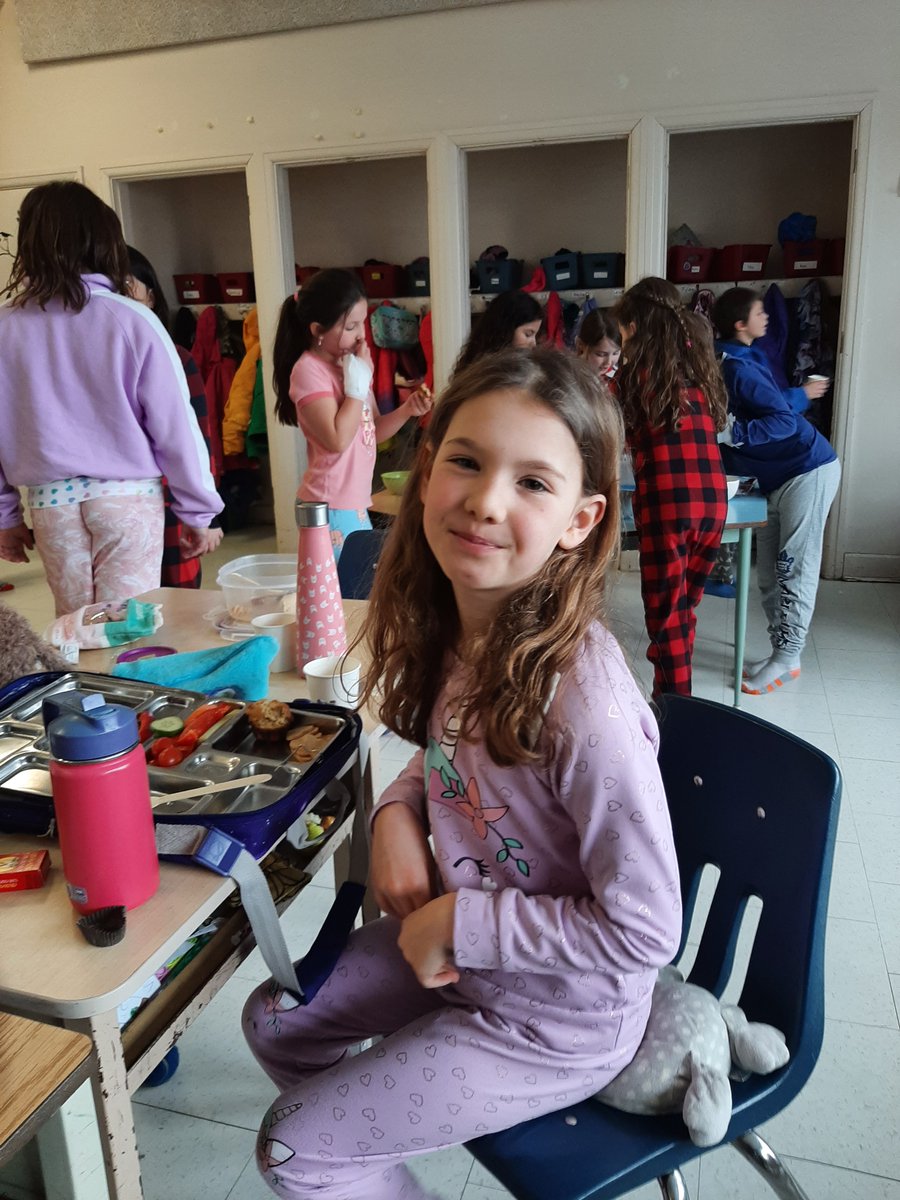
{"x": 320, "y": 615}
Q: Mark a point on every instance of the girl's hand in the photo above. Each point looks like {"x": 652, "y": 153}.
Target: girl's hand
{"x": 358, "y": 372}
{"x": 362, "y": 351}
{"x": 402, "y": 868}
{"x": 15, "y": 541}
{"x": 195, "y": 542}
{"x": 426, "y": 942}
{"x": 420, "y": 402}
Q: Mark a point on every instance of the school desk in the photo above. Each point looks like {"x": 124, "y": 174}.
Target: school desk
{"x": 48, "y": 972}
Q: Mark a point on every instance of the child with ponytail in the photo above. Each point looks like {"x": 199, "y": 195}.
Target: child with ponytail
{"x": 323, "y": 383}
{"x": 674, "y": 403}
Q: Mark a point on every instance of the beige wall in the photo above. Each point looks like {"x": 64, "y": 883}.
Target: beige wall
{"x": 477, "y": 74}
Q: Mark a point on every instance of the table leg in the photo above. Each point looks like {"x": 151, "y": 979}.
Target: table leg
{"x": 113, "y": 1103}
{"x": 742, "y": 591}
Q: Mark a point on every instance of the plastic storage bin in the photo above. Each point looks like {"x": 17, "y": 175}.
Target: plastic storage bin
{"x": 834, "y": 256}
{"x": 237, "y": 288}
{"x": 499, "y": 276}
{"x": 257, "y": 583}
{"x": 689, "y": 264}
{"x": 742, "y": 260}
{"x": 804, "y": 258}
{"x": 301, "y": 274}
{"x": 604, "y": 270}
{"x": 561, "y": 271}
{"x": 383, "y": 280}
{"x": 196, "y": 289}
{"x": 419, "y": 276}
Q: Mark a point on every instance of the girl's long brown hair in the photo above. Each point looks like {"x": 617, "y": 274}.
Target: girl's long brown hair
{"x": 65, "y": 231}
{"x": 412, "y": 625}
{"x": 669, "y": 350}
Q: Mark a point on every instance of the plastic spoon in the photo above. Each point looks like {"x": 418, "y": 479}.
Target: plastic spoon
{"x": 226, "y": 786}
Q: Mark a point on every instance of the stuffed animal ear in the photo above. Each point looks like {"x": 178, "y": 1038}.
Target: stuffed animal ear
{"x": 755, "y": 1046}
{"x": 707, "y": 1104}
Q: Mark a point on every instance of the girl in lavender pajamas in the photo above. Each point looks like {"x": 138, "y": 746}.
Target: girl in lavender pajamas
{"x": 513, "y": 972}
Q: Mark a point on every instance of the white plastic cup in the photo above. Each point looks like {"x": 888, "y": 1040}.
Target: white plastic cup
{"x": 283, "y": 628}
{"x": 334, "y": 680}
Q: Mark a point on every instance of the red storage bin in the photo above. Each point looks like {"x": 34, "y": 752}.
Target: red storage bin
{"x": 689, "y": 264}
{"x": 236, "y": 288}
{"x": 301, "y": 274}
{"x": 834, "y": 256}
{"x": 196, "y": 289}
{"x": 804, "y": 258}
{"x": 742, "y": 260}
{"x": 383, "y": 280}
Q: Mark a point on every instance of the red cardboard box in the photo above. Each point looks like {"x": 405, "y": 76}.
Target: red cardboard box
{"x": 20, "y": 872}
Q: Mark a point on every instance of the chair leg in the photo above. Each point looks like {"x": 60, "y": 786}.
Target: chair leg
{"x": 769, "y": 1165}
{"x": 673, "y": 1186}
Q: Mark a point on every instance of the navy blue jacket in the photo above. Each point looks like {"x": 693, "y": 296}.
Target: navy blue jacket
{"x": 771, "y": 438}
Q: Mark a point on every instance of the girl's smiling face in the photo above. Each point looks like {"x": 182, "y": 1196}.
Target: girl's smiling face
{"x": 345, "y": 337}
{"x": 504, "y": 490}
{"x": 604, "y": 356}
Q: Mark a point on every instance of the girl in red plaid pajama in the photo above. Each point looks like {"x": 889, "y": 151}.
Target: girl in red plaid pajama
{"x": 674, "y": 404}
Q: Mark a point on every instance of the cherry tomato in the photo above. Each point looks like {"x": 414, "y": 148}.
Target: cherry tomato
{"x": 160, "y": 745}
{"x": 170, "y": 757}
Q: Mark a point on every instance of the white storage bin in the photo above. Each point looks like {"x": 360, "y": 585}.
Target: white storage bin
{"x": 258, "y": 583}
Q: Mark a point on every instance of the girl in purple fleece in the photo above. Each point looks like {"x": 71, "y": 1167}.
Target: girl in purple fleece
{"x": 94, "y": 411}
{"x": 513, "y": 972}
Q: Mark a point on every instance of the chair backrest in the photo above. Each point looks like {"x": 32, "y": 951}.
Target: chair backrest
{"x": 762, "y": 806}
{"x": 356, "y": 565}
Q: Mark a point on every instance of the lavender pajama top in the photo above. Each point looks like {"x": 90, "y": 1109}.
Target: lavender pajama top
{"x": 567, "y": 903}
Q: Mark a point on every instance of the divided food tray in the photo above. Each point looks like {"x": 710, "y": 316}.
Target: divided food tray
{"x": 229, "y": 750}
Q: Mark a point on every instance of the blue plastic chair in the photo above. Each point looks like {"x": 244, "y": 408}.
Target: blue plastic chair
{"x": 357, "y": 562}
{"x": 762, "y": 806}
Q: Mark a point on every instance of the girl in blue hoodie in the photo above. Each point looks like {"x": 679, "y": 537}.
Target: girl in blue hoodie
{"x": 769, "y": 437}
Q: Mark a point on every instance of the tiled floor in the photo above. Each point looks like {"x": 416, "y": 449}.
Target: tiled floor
{"x": 197, "y": 1131}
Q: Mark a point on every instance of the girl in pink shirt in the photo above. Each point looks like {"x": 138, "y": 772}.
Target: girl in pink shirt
{"x": 323, "y": 383}
{"x": 524, "y": 858}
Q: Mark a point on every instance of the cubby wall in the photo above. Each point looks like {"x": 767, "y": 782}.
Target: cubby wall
{"x": 536, "y": 199}
{"x": 344, "y": 213}
{"x": 190, "y": 223}
{"x": 736, "y": 185}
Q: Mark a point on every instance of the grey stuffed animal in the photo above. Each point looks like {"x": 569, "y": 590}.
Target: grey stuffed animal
{"x": 692, "y": 1047}
{"x": 22, "y": 652}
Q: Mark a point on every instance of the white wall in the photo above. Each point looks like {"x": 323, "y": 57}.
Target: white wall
{"x": 573, "y": 68}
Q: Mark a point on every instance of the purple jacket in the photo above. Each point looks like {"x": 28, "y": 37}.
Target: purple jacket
{"x": 99, "y": 393}
{"x": 565, "y": 873}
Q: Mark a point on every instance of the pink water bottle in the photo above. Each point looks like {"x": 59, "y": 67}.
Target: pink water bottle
{"x": 101, "y": 795}
{"x": 320, "y": 615}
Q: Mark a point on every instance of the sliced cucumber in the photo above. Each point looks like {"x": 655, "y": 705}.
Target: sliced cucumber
{"x": 167, "y": 726}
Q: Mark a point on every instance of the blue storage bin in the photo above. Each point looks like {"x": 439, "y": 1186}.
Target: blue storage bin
{"x": 605, "y": 270}
{"x": 419, "y": 275}
{"x": 561, "y": 271}
{"x": 499, "y": 276}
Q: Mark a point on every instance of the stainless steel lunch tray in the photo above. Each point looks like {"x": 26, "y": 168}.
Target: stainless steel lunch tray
{"x": 231, "y": 752}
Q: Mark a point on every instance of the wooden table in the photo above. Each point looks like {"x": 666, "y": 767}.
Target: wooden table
{"x": 49, "y": 972}
{"x": 40, "y": 1067}
{"x": 385, "y": 503}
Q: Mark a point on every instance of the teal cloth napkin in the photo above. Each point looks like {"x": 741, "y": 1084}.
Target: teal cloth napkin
{"x": 243, "y": 666}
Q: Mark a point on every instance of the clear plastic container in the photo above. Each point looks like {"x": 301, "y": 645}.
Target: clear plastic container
{"x": 257, "y": 584}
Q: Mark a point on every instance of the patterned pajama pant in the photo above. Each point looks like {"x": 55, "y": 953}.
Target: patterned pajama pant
{"x": 448, "y": 1069}
{"x": 343, "y": 522}
{"x": 675, "y": 565}
{"x": 108, "y": 549}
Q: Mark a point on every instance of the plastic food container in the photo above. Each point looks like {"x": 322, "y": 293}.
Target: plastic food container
{"x": 257, "y": 583}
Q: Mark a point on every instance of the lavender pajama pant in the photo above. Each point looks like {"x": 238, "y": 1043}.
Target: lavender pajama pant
{"x": 447, "y": 1070}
